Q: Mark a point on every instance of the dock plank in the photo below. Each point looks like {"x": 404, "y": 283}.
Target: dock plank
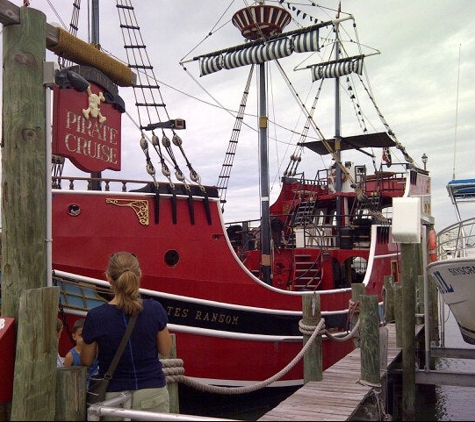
{"x": 338, "y": 395}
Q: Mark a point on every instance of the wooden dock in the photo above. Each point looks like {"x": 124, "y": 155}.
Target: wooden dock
{"x": 338, "y": 396}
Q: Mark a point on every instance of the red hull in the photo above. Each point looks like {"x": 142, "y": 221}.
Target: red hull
{"x": 231, "y": 328}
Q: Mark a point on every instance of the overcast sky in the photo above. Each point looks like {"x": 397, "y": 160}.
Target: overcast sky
{"x": 414, "y": 81}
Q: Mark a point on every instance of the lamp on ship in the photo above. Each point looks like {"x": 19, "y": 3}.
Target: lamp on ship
{"x": 424, "y": 160}
{"x": 261, "y": 21}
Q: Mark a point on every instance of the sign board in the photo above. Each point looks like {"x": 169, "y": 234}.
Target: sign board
{"x": 87, "y": 128}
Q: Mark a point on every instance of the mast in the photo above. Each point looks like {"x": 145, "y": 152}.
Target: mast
{"x": 95, "y": 22}
{"x": 262, "y": 26}
{"x": 338, "y": 128}
{"x": 264, "y": 178}
{"x": 96, "y": 184}
{"x": 256, "y": 23}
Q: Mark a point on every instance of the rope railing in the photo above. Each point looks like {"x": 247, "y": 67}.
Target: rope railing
{"x": 174, "y": 371}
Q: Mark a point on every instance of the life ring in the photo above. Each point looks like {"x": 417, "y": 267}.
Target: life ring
{"x": 331, "y": 179}
{"x": 432, "y": 245}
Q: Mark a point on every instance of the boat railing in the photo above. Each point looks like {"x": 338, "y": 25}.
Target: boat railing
{"x": 386, "y": 182}
{"x": 106, "y": 184}
{"x": 322, "y": 237}
{"x": 457, "y": 240}
{"x": 87, "y": 183}
{"x": 245, "y": 235}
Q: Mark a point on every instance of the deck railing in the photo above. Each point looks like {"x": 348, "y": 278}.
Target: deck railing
{"x": 86, "y": 183}
{"x": 457, "y": 240}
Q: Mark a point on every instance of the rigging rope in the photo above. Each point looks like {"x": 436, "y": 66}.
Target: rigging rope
{"x": 330, "y": 150}
{"x": 391, "y": 134}
{"x": 224, "y": 176}
{"x": 149, "y": 99}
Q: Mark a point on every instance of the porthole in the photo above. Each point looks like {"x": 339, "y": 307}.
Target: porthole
{"x": 74, "y": 210}
{"x": 172, "y": 258}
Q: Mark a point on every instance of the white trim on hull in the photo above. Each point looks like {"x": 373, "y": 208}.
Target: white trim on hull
{"x": 455, "y": 281}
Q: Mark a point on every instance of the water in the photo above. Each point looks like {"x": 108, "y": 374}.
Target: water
{"x": 248, "y": 407}
{"x": 447, "y": 403}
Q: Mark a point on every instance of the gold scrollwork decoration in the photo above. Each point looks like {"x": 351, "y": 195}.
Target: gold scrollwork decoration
{"x": 140, "y": 208}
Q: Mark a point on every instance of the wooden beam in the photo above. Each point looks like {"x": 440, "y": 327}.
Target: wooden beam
{"x": 79, "y": 52}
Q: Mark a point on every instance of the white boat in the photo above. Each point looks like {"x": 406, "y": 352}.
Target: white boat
{"x": 453, "y": 270}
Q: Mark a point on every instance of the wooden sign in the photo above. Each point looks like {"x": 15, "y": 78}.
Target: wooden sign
{"x": 87, "y": 128}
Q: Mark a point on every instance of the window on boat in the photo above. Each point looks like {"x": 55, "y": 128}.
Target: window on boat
{"x": 359, "y": 265}
{"x": 354, "y": 270}
{"x": 172, "y": 257}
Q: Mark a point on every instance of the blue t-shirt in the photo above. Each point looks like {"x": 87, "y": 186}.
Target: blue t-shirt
{"x": 139, "y": 366}
{"x": 91, "y": 370}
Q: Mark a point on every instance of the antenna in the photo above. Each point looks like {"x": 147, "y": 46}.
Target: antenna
{"x": 456, "y": 112}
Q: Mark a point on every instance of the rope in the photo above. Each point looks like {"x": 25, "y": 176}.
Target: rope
{"x": 377, "y": 410}
{"x": 349, "y": 336}
{"x": 177, "y": 375}
{"x": 174, "y": 371}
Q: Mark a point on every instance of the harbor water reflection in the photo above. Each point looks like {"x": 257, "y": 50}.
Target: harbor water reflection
{"x": 448, "y": 403}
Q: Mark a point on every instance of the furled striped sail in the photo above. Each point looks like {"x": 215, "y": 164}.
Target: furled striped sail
{"x": 260, "y": 52}
{"x": 335, "y": 69}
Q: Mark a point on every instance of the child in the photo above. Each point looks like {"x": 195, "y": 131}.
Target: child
{"x": 73, "y": 357}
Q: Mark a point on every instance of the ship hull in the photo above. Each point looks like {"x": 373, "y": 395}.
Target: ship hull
{"x": 231, "y": 328}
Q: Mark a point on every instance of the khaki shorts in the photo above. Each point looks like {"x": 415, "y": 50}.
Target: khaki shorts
{"x": 148, "y": 399}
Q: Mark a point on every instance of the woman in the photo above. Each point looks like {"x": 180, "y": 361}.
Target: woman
{"x": 139, "y": 369}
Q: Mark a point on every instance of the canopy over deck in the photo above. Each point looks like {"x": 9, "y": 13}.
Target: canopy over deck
{"x": 461, "y": 191}
{"x": 369, "y": 140}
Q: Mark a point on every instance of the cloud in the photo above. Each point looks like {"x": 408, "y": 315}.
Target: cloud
{"x": 415, "y": 82}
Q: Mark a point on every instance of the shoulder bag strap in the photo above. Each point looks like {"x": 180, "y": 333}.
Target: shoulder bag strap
{"x": 120, "y": 350}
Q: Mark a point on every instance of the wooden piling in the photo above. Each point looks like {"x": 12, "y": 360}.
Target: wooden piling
{"x": 410, "y": 271}
{"x": 25, "y": 175}
{"x": 34, "y": 383}
{"x": 173, "y": 386}
{"x": 357, "y": 290}
{"x": 24, "y": 166}
{"x": 389, "y": 298}
{"x": 313, "y": 361}
{"x": 71, "y": 393}
{"x": 370, "y": 352}
{"x": 398, "y": 313}
{"x": 420, "y": 295}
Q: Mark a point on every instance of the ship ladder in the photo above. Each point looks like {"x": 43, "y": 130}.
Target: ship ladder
{"x": 307, "y": 272}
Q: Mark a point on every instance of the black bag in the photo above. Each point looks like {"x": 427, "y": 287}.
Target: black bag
{"x": 96, "y": 392}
